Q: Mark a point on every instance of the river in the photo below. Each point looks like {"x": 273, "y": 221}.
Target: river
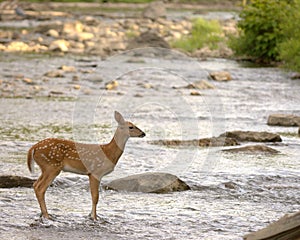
{"x": 232, "y": 193}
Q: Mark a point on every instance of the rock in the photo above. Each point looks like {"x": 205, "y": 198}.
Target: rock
{"x": 201, "y": 85}
{"x": 17, "y": 46}
{"x": 8, "y": 181}
{"x": 286, "y": 120}
{"x": 155, "y": 10}
{"x": 76, "y": 87}
{"x": 286, "y": 228}
{"x": 75, "y": 78}
{"x": 149, "y": 183}
{"x": 221, "y": 76}
{"x": 299, "y": 131}
{"x": 112, "y": 85}
{"x": 195, "y": 93}
{"x": 28, "y": 81}
{"x": 253, "y": 136}
{"x": 252, "y": 149}
{"x": 80, "y": 36}
{"x": 59, "y": 45}
{"x": 67, "y": 68}
{"x": 295, "y": 76}
{"x": 148, "y": 39}
{"x": 53, "y": 33}
{"x": 54, "y": 74}
{"x": 203, "y": 142}
{"x": 73, "y": 27}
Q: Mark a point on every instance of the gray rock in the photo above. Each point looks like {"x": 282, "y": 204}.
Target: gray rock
{"x": 148, "y": 39}
{"x": 149, "y": 183}
{"x": 8, "y": 181}
{"x": 252, "y": 136}
{"x": 252, "y": 149}
{"x": 203, "y": 142}
{"x": 155, "y": 10}
{"x": 287, "y": 120}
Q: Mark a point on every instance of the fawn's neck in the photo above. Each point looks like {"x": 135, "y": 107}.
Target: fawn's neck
{"x": 114, "y": 149}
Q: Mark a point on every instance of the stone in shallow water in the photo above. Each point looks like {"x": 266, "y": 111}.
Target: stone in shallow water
{"x": 286, "y": 120}
{"x": 253, "y": 149}
{"x": 8, "y": 181}
{"x": 252, "y": 136}
{"x": 149, "y": 183}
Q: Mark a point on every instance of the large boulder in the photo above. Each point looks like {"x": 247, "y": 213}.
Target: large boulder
{"x": 155, "y": 10}
{"x": 286, "y": 120}
{"x": 8, "y": 181}
{"x": 252, "y": 136}
{"x": 252, "y": 149}
{"x": 149, "y": 183}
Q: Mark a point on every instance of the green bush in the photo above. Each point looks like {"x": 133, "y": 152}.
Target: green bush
{"x": 290, "y": 46}
{"x": 204, "y": 33}
{"x": 261, "y": 29}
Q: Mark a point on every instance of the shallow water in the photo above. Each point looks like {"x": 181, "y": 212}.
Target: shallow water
{"x": 232, "y": 194}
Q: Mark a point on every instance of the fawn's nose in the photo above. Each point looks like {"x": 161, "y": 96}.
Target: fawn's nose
{"x": 143, "y": 135}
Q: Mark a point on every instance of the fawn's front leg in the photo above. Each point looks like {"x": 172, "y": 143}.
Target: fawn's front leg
{"x": 94, "y": 187}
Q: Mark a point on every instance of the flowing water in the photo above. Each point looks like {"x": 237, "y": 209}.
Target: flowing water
{"x": 232, "y": 194}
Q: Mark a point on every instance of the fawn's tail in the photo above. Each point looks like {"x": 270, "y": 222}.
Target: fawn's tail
{"x": 30, "y": 160}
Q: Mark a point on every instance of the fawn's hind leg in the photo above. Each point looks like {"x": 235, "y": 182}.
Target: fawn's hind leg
{"x": 40, "y": 187}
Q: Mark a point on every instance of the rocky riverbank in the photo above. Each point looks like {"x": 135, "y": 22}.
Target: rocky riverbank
{"x": 43, "y": 30}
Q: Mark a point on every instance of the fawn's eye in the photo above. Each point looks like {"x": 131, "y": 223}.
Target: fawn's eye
{"x": 130, "y": 127}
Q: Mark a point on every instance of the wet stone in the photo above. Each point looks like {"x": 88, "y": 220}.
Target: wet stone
{"x": 287, "y": 120}
{"x": 253, "y": 149}
{"x": 221, "y": 76}
{"x": 54, "y": 74}
{"x": 66, "y": 68}
{"x": 252, "y": 136}
{"x": 8, "y": 181}
{"x": 203, "y": 142}
{"x": 149, "y": 183}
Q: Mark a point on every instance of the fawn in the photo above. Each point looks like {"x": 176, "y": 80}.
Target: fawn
{"x": 55, "y": 155}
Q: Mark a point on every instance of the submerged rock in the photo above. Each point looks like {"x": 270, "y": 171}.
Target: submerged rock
{"x": 149, "y": 183}
{"x": 286, "y": 120}
{"x": 252, "y": 136}
{"x": 8, "y": 181}
{"x": 55, "y": 74}
{"x": 201, "y": 85}
{"x": 252, "y": 149}
{"x": 203, "y": 142}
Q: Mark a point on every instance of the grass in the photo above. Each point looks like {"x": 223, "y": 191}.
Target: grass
{"x": 204, "y": 33}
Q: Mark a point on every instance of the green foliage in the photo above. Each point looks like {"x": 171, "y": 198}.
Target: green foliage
{"x": 261, "y": 33}
{"x": 290, "y": 47}
{"x": 204, "y": 33}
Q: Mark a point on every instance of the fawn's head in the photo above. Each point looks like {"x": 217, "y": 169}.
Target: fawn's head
{"x": 128, "y": 128}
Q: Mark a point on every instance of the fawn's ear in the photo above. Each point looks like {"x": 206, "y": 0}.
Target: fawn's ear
{"x": 119, "y": 118}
